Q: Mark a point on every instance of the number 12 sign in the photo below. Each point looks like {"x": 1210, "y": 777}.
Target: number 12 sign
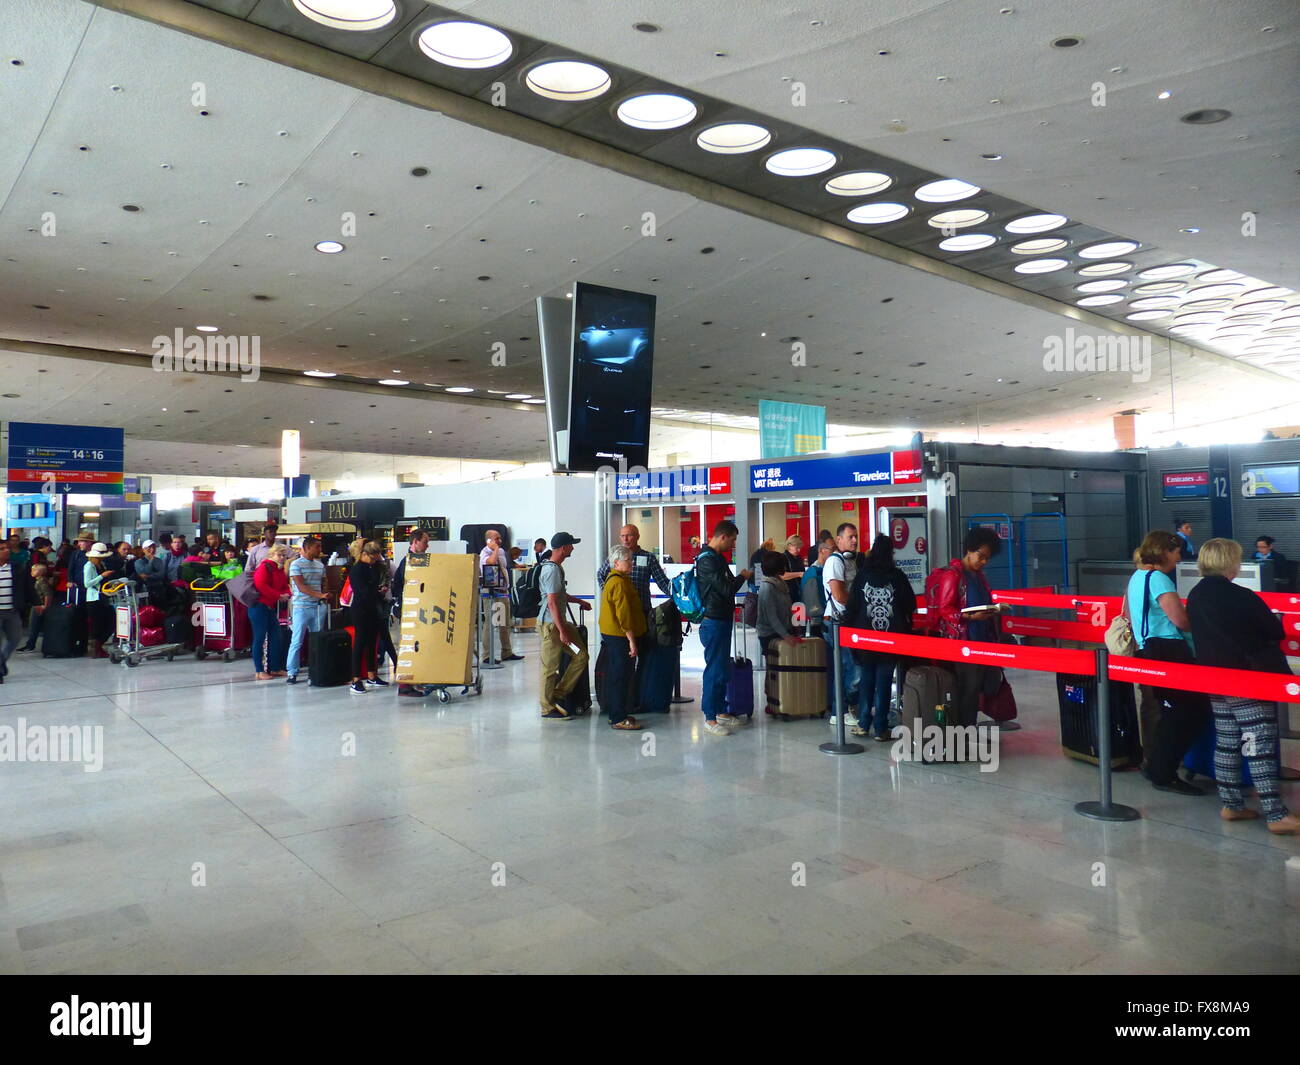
{"x": 65, "y": 458}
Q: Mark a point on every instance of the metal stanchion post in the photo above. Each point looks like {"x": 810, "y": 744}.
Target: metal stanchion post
{"x": 1105, "y": 810}
{"x": 840, "y": 746}
{"x": 677, "y": 697}
{"x": 493, "y": 659}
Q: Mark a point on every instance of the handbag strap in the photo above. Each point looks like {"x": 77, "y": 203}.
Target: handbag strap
{"x": 1146, "y": 605}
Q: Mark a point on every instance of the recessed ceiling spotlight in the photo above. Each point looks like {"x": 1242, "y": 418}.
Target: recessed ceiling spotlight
{"x": 348, "y": 14}
{"x": 1147, "y": 303}
{"x": 318, "y": 373}
{"x": 568, "y": 79}
{"x": 1260, "y": 305}
{"x": 645, "y": 27}
{"x": 1267, "y": 292}
{"x": 992, "y": 157}
{"x": 1067, "y": 42}
{"x": 956, "y": 219}
{"x": 1100, "y": 301}
{"x": 1223, "y": 288}
{"x": 534, "y": 401}
{"x": 330, "y": 247}
{"x": 946, "y": 190}
{"x": 1168, "y": 270}
{"x": 1036, "y": 223}
{"x": 131, "y": 208}
{"x": 1041, "y": 246}
{"x": 460, "y": 389}
{"x": 395, "y": 381}
{"x": 1147, "y": 316}
{"x": 871, "y": 214}
{"x": 1108, "y": 248}
{"x": 1205, "y": 117}
{"x": 734, "y": 138}
{"x": 1164, "y": 95}
{"x": 206, "y": 328}
{"x": 1156, "y": 288}
{"x": 1100, "y": 286}
{"x": 1219, "y": 274}
{"x": 520, "y": 395}
{"x": 469, "y": 45}
{"x": 1205, "y": 304}
{"x": 858, "y": 183}
{"x": 1189, "y": 229}
{"x": 1041, "y": 266}
{"x": 656, "y": 110}
{"x": 967, "y": 242}
{"x": 800, "y": 162}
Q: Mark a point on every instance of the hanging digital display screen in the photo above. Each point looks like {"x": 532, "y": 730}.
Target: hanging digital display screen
{"x": 609, "y": 387}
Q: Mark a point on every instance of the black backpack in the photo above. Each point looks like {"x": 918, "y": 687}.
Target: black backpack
{"x": 526, "y": 595}
{"x": 870, "y": 607}
{"x": 666, "y": 625}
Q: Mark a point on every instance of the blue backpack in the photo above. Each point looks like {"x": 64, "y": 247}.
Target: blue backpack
{"x": 686, "y": 595}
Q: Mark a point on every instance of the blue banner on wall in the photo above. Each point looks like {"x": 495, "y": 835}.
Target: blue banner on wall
{"x": 790, "y": 428}
{"x": 885, "y": 468}
{"x": 68, "y": 458}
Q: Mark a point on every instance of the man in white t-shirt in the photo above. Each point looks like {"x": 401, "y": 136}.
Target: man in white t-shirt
{"x": 494, "y": 573}
{"x": 306, "y": 584}
{"x": 837, "y": 578}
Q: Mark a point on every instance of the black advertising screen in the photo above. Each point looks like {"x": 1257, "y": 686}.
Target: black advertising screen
{"x": 609, "y": 389}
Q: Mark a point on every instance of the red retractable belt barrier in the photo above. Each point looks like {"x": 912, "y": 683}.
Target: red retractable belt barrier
{"x": 1288, "y": 601}
{"x": 1060, "y": 630}
{"x": 1243, "y": 683}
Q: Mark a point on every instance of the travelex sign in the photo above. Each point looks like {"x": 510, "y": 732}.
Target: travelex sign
{"x": 674, "y": 484}
{"x": 882, "y": 469}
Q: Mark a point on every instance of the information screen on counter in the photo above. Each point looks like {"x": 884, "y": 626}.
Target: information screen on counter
{"x": 1186, "y": 484}
{"x": 609, "y": 387}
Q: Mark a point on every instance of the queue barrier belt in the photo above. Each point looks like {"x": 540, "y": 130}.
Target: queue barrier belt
{"x": 1211, "y": 680}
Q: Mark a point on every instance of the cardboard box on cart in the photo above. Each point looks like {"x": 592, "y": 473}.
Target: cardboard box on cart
{"x": 439, "y": 607}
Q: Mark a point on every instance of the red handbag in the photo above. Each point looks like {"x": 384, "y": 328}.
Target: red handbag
{"x": 1002, "y": 705}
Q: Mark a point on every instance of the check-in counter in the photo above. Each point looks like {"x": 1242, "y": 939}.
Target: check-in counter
{"x": 1257, "y": 576}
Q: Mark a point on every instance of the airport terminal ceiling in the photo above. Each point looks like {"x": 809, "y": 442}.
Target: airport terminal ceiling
{"x": 445, "y": 265}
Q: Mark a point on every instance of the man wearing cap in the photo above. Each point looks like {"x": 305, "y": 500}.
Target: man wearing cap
{"x": 558, "y": 636}
{"x": 17, "y": 593}
{"x": 151, "y": 570}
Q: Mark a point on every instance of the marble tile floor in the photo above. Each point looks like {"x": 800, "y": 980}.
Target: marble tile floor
{"x": 238, "y": 826}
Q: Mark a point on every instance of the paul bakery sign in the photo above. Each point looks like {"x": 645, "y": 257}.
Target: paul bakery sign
{"x": 883, "y": 469}
{"x": 674, "y": 484}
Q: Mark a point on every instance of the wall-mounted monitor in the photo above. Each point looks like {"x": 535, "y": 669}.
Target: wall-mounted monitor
{"x": 1274, "y": 479}
{"x": 1185, "y": 484}
{"x": 610, "y": 379}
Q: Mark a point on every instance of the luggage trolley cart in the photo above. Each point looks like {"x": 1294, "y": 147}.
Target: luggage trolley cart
{"x": 226, "y": 629}
{"x": 126, "y": 646}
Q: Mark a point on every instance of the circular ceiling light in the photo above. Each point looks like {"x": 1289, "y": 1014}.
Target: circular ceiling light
{"x": 1163, "y": 273}
{"x": 1108, "y": 248}
{"x": 1099, "y": 301}
{"x": 1259, "y": 305}
{"x": 460, "y": 390}
{"x": 1205, "y": 305}
{"x": 967, "y": 242}
{"x": 393, "y": 381}
{"x": 468, "y": 45}
{"x": 1157, "y": 287}
{"x": 1041, "y": 246}
{"x": 1214, "y": 291}
{"x": 348, "y": 14}
{"x": 206, "y": 328}
{"x": 956, "y": 219}
{"x": 946, "y": 190}
{"x": 567, "y": 79}
{"x": 1201, "y": 318}
{"x": 1103, "y": 269}
{"x": 1206, "y": 116}
{"x": 1190, "y": 329}
{"x": 734, "y": 138}
{"x": 318, "y": 373}
{"x": 1288, "y": 318}
{"x": 330, "y": 247}
{"x": 534, "y": 401}
{"x": 1267, "y": 292}
{"x": 1218, "y": 274}
{"x": 800, "y": 162}
{"x": 1041, "y": 266}
{"x": 1150, "y": 302}
{"x": 1147, "y": 316}
{"x": 656, "y": 110}
{"x": 859, "y": 183}
{"x": 520, "y": 395}
{"x": 1100, "y": 286}
{"x": 875, "y": 213}
{"x": 1036, "y": 223}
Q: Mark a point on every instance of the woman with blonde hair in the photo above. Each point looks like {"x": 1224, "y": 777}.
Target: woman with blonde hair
{"x": 1161, "y": 630}
{"x": 271, "y": 579}
{"x": 1234, "y": 629}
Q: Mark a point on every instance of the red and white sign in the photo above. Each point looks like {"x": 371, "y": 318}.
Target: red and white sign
{"x": 898, "y": 532}
{"x": 1182, "y": 480}
{"x": 719, "y": 480}
{"x": 905, "y": 466}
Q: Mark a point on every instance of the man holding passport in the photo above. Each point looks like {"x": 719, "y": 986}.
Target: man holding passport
{"x": 558, "y": 636}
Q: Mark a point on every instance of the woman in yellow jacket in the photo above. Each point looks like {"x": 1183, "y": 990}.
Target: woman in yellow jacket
{"x": 622, "y": 623}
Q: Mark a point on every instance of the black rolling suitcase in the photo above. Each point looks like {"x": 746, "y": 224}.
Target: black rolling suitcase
{"x": 577, "y": 701}
{"x": 179, "y": 629}
{"x": 1077, "y": 697}
{"x": 64, "y": 632}
{"x": 329, "y": 657}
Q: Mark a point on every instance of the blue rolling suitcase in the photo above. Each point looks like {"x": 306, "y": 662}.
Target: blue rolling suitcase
{"x": 740, "y": 677}
{"x": 1199, "y": 760}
